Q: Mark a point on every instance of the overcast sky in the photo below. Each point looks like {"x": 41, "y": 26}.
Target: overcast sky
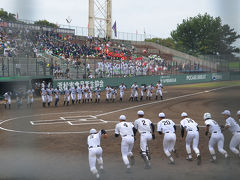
{"x": 158, "y": 17}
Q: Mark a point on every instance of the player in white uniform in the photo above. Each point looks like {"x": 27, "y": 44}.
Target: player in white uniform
{"x": 114, "y": 94}
{"x": 238, "y": 115}
{"x": 30, "y": 97}
{"x": 168, "y": 128}
{"x": 108, "y": 93}
{"x": 146, "y": 130}
{"x": 44, "y": 96}
{"x": 134, "y": 92}
{"x": 159, "y": 88}
{"x": 95, "y": 151}
{"x": 57, "y": 93}
{"x": 126, "y": 131}
{"x": 90, "y": 93}
{"x": 122, "y": 88}
{"x": 150, "y": 89}
{"x": 191, "y": 127}
{"x": 7, "y": 100}
{"x": 216, "y": 136}
{"x": 234, "y": 128}
{"x": 79, "y": 94}
{"x": 67, "y": 96}
{"x": 143, "y": 89}
{"x": 74, "y": 94}
{"x": 97, "y": 94}
{"x": 49, "y": 95}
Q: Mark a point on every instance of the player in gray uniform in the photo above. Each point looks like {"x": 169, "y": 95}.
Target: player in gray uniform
{"x": 85, "y": 93}
{"x": 74, "y": 94}
{"x": 44, "y": 96}
{"x": 114, "y": 94}
{"x": 216, "y": 137}
{"x": 79, "y": 94}
{"x": 143, "y": 89}
{"x": 50, "y": 95}
{"x": 97, "y": 94}
{"x": 159, "y": 88}
{"x": 67, "y": 96}
{"x": 90, "y": 93}
{"x": 30, "y": 99}
{"x": 234, "y": 128}
{"x": 122, "y": 88}
{"x": 57, "y": 93}
{"x": 150, "y": 89}
{"x": 134, "y": 92}
{"x": 191, "y": 127}
{"x": 7, "y": 100}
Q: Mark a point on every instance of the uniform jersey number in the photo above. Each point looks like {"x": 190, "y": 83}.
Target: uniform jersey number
{"x": 125, "y": 124}
{"x": 144, "y": 122}
{"x": 190, "y": 121}
{"x": 166, "y": 123}
{"x": 214, "y": 122}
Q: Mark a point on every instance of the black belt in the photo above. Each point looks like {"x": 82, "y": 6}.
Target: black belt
{"x": 127, "y": 135}
{"x": 167, "y": 132}
{"x": 238, "y": 131}
{"x": 93, "y": 147}
{"x": 143, "y": 132}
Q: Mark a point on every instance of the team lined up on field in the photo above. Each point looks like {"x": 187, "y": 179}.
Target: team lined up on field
{"x": 167, "y": 127}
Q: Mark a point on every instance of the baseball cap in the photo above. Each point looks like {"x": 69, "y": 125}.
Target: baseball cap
{"x": 226, "y": 112}
{"x": 207, "y": 116}
{"x": 140, "y": 112}
{"x": 162, "y": 115}
{"x": 93, "y": 131}
{"x": 122, "y": 117}
{"x": 184, "y": 114}
{"x": 238, "y": 113}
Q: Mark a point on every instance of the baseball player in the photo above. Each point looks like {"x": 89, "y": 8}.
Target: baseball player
{"x": 114, "y": 93}
{"x": 79, "y": 94}
{"x": 127, "y": 131}
{"x": 49, "y": 95}
{"x": 97, "y": 94}
{"x": 85, "y": 93}
{"x": 216, "y": 136}
{"x": 7, "y": 100}
{"x": 168, "y": 128}
{"x": 146, "y": 130}
{"x": 122, "y": 88}
{"x": 57, "y": 93}
{"x": 134, "y": 92}
{"x": 19, "y": 98}
{"x": 159, "y": 88}
{"x": 143, "y": 89}
{"x": 30, "y": 99}
{"x": 44, "y": 96}
{"x": 191, "y": 127}
{"x": 108, "y": 93}
{"x": 74, "y": 94}
{"x": 234, "y": 128}
{"x": 90, "y": 93}
{"x": 95, "y": 150}
{"x": 238, "y": 115}
{"x": 67, "y": 96}
{"x": 150, "y": 89}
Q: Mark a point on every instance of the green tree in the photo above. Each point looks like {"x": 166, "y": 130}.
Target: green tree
{"x": 4, "y": 15}
{"x": 168, "y": 42}
{"x": 205, "y": 35}
{"x": 45, "y": 23}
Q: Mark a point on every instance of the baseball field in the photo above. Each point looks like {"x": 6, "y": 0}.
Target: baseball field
{"x": 51, "y": 143}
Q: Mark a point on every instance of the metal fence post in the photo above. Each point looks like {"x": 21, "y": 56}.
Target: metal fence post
{"x": 8, "y": 66}
{"x": 44, "y": 67}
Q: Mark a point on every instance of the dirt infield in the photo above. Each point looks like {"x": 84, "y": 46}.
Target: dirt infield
{"x": 50, "y": 143}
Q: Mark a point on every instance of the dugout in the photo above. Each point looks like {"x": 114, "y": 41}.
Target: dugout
{"x": 14, "y": 84}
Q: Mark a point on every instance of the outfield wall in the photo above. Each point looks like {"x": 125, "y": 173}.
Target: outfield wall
{"x": 166, "y": 80}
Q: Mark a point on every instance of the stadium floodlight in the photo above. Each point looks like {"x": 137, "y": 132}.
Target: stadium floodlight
{"x": 100, "y": 18}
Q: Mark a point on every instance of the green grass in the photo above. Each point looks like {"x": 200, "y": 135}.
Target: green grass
{"x": 234, "y": 65}
{"x": 211, "y": 84}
